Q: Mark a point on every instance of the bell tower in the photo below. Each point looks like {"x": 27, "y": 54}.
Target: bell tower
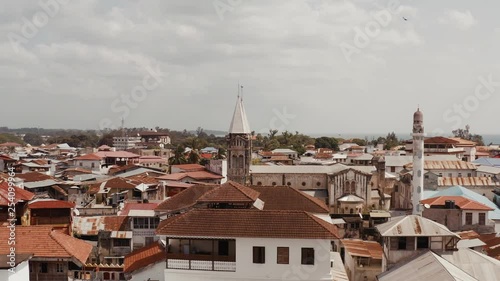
{"x": 239, "y": 146}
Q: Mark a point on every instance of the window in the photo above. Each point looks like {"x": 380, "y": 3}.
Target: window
{"x": 283, "y": 255}
{"x": 422, "y": 242}
{"x": 288, "y": 183}
{"x": 468, "y": 218}
{"x": 274, "y": 183}
{"x": 259, "y": 255}
{"x": 146, "y": 223}
{"x": 307, "y": 256}
{"x": 393, "y": 169}
{"x": 44, "y": 267}
{"x": 469, "y": 175}
{"x": 449, "y": 175}
{"x": 223, "y": 247}
{"x": 59, "y": 268}
{"x": 303, "y": 183}
{"x": 402, "y": 243}
{"x": 93, "y": 165}
{"x": 459, "y": 175}
{"x": 121, "y": 242}
{"x": 482, "y": 218}
{"x": 259, "y": 183}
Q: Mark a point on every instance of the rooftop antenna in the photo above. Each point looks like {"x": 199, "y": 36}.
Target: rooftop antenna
{"x": 123, "y": 127}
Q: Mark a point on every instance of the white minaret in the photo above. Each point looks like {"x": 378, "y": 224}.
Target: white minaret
{"x": 418, "y": 162}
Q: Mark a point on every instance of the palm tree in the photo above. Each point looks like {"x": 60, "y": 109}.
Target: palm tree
{"x": 178, "y": 157}
{"x": 194, "y": 157}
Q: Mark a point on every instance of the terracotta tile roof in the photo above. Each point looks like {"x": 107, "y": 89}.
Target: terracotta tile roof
{"x": 173, "y": 177}
{"x": 9, "y": 144}
{"x": 235, "y": 223}
{"x": 323, "y": 156}
{"x": 360, "y": 248}
{"x": 492, "y": 242}
{"x": 265, "y": 153}
{"x": 184, "y": 199}
{"x": 77, "y": 171}
{"x": 206, "y": 155}
{"x": 189, "y": 167}
{"x": 34, "y": 176}
{"x": 203, "y": 175}
{"x": 198, "y": 175}
{"x": 462, "y": 142}
{"x": 440, "y": 140}
{"x": 144, "y": 256}
{"x": 44, "y": 242}
{"x": 460, "y": 201}
{"x": 466, "y": 181}
{"x": 230, "y": 192}
{"x": 51, "y": 204}
{"x": 289, "y": 198}
{"x": 116, "y": 223}
{"x": 116, "y": 183}
{"x": 92, "y": 157}
{"x": 137, "y": 206}
{"x": 280, "y": 158}
{"x": 6, "y": 157}
{"x": 143, "y": 178}
{"x": 116, "y": 154}
{"x": 20, "y": 194}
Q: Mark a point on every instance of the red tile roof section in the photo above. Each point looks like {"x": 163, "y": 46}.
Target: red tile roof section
{"x": 51, "y": 204}
{"x": 34, "y": 176}
{"x": 144, "y": 256}
{"x": 461, "y": 202}
{"x": 116, "y": 223}
{"x": 137, "y": 206}
{"x": 230, "y": 192}
{"x": 289, "y": 198}
{"x": 44, "y": 242}
{"x": 90, "y": 157}
{"x": 234, "y": 223}
{"x": 184, "y": 199}
{"x": 19, "y": 194}
{"x": 189, "y": 167}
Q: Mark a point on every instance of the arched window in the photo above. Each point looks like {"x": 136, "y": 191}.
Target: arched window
{"x": 353, "y": 187}
{"x": 351, "y": 211}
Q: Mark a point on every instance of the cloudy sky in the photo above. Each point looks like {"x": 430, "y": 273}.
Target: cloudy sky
{"x": 307, "y": 65}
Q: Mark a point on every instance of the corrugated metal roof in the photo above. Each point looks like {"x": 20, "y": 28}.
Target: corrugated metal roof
{"x": 413, "y": 225}
{"x": 445, "y": 165}
{"x": 489, "y": 170}
{"x": 428, "y": 266}
{"x": 88, "y": 225}
{"x": 467, "y": 181}
{"x": 351, "y": 198}
{"x": 475, "y": 264}
{"x": 338, "y": 269}
{"x": 361, "y": 248}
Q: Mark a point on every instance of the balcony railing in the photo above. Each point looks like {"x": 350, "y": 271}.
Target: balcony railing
{"x": 208, "y": 265}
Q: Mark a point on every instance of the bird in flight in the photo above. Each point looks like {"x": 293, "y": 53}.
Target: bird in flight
{"x": 405, "y": 18}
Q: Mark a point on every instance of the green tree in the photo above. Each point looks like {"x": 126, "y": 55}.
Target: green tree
{"x": 391, "y": 141}
{"x": 194, "y": 157}
{"x": 33, "y": 139}
{"x": 326, "y": 142}
{"x": 178, "y": 157}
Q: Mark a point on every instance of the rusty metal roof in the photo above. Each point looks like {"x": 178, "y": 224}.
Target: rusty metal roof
{"x": 467, "y": 181}
{"x": 121, "y": 234}
{"x": 413, "y": 225}
{"x": 361, "y": 248}
{"x": 445, "y": 165}
{"x": 88, "y": 225}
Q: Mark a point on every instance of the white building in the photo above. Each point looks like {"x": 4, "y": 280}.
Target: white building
{"x": 124, "y": 143}
{"x": 14, "y": 271}
{"x": 147, "y": 263}
{"x": 232, "y": 244}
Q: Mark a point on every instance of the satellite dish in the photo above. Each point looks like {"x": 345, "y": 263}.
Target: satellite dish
{"x": 427, "y": 206}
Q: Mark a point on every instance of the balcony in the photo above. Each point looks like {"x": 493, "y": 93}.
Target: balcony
{"x": 443, "y": 150}
{"x": 202, "y": 254}
{"x": 200, "y": 262}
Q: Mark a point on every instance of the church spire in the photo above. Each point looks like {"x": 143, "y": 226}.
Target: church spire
{"x": 239, "y": 123}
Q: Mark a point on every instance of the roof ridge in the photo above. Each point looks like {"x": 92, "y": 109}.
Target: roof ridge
{"x": 310, "y": 198}
{"x": 243, "y": 189}
{"x": 323, "y": 224}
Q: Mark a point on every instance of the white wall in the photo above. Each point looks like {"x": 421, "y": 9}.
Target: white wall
{"x": 247, "y": 270}
{"x": 152, "y": 272}
{"x": 22, "y": 272}
{"x": 87, "y": 164}
{"x": 475, "y": 216}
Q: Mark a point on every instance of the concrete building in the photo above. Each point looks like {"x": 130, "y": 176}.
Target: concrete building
{"x": 418, "y": 162}
{"x": 230, "y": 245}
{"x": 408, "y": 236}
{"x": 363, "y": 259}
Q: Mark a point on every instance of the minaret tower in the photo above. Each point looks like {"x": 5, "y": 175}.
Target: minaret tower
{"x": 418, "y": 162}
{"x": 239, "y": 146}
